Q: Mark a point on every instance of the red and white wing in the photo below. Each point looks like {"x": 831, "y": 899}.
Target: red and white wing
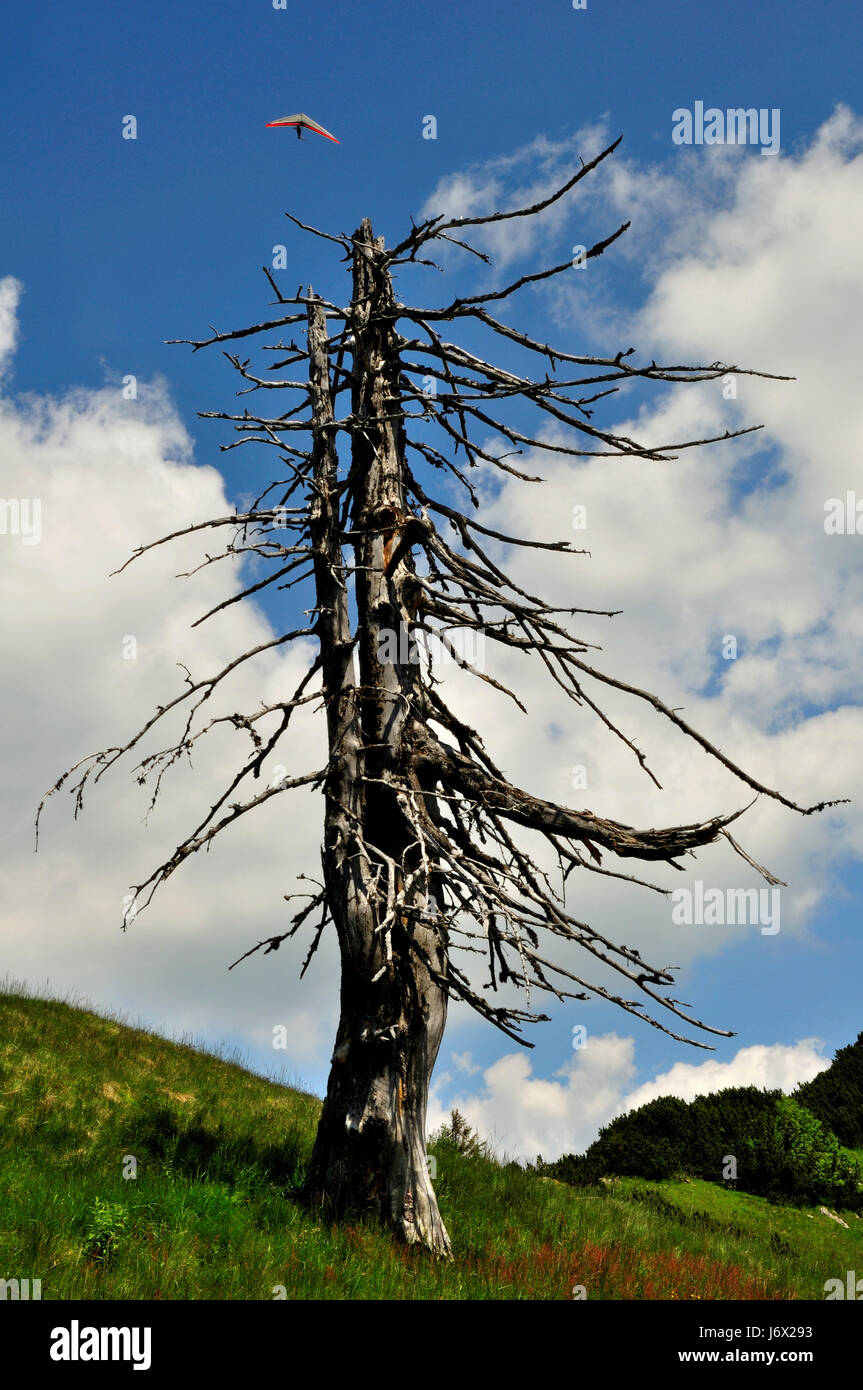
{"x": 319, "y": 130}
{"x": 305, "y": 123}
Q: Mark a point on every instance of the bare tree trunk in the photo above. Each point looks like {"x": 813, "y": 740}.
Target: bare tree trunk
{"x": 370, "y": 1151}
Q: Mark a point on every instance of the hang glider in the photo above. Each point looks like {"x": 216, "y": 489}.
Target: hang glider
{"x": 302, "y": 123}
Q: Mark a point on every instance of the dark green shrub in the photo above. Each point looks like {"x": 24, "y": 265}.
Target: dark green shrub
{"x": 763, "y": 1141}
{"x": 835, "y": 1096}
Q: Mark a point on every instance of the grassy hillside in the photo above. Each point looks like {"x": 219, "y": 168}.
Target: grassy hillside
{"x": 210, "y": 1213}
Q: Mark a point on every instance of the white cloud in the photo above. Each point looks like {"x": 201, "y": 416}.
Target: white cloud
{"x": 10, "y": 294}
{"x": 755, "y": 266}
{"x": 524, "y": 1115}
{"x": 772, "y": 1067}
{"x": 465, "y": 1063}
{"x": 510, "y": 182}
{"x": 112, "y": 474}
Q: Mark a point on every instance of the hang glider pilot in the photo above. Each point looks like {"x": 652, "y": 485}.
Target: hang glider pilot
{"x": 303, "y": 122}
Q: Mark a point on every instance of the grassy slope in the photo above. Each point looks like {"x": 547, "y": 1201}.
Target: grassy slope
{"x": 210, "y": 1213}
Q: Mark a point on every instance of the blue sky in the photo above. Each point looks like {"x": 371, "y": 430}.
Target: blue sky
{"x": 118, "y": 244}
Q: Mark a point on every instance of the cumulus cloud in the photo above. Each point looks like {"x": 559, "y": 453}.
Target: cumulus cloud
{"x": 510, "y": 182}
{"x": 726, "y": 542}
{"x": 464, "y": 1063}
{"x": 10, "y": 294}
{"x": 770, "y": 1066}
{"x": 87, "y": 659}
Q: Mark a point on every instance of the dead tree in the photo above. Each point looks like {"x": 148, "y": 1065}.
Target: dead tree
{"x": 425, "y": 874}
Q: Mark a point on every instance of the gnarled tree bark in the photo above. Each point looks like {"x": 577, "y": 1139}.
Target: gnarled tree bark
{"x": 370, "y": 1150}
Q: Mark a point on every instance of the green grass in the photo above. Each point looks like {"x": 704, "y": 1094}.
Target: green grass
{"x": 220, "y": 1150}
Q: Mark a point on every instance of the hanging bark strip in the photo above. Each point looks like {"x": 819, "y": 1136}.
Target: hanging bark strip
{"x": 425, "y": 878}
